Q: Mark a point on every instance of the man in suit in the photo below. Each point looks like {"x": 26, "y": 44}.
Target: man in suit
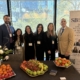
{"x": 7, "y": 33}
{"x": 65, "y": 40}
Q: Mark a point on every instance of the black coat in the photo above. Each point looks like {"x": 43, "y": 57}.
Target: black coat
{"x": 39, "y": 44}
{"x": 29, "y": 46}
{"x": 50, "y": 43}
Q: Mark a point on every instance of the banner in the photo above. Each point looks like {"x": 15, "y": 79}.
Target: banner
{"x": 75, "y": 25}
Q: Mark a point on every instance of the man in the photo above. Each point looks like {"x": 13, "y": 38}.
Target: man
{"x": 6, "y": 33}
{"x": 65, "y": 40}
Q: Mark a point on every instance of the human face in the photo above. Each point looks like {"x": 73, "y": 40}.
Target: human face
{"x": 63, "y": 23}
{"x": 39, "y": 28}
{"x": 50, "y": 27}
{"x": 18, "y": 32}
{"x": 6, "y": 19}
{"x": 28, "y": 30}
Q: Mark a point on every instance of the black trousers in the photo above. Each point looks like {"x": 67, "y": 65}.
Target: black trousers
{"x": 40, "y": 56}
{"x": 40, "y": 53}
{"x": 50, "y": 56}
{"x": 63, "y": 56}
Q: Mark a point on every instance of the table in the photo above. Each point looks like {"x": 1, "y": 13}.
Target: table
{"x": 15, "y": 61}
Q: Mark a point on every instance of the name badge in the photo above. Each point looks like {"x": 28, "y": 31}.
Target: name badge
{"x": 52, "y": 42}
{"x": 30, "y": 44}
{"x": 18, "y": 47}
{"x": 23, "y": 45}
{"x": 38, "y": 42}
{"x": 56, "y": 54}
{"x": 10, "y": 35}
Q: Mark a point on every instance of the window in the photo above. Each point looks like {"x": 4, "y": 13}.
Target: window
{"x": 32, "y": 12}
{"x": 3, "y": 10}
{"x": 63, "y": 8}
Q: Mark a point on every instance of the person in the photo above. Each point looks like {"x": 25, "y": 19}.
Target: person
{"x": 18, "y": 39}
{"x": 7, "y": 33}
{"x": 78, "y": 43}
{"x": 75, "y": 50}
{"x": 39, "y": 42}
{"x": 65, "y": 40}
{"x": 50, "y": 42}
{"x": 29, "y": 48}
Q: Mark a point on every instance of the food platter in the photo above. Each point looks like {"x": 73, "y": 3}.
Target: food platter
{"x": 6, "y": 72}
{"x": 61, "y": 66}
{"x": 62, "y": 62}
{"x": 34, "y": 71}
{"x": 33, "y": 75}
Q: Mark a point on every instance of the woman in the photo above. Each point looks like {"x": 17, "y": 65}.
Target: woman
{"x": 39, "y": 42}
{"x": 18, "y": 39}
{"x": 29, "y": 44}
{"x": 51, "y": 42}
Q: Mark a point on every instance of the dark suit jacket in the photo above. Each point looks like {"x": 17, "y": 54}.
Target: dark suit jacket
{"x": 4, "y": 35}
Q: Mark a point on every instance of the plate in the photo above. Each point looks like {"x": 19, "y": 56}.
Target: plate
{"x": 6, "y": 72}
{"x": 62, "y": 66}
{"x": 10, "y": 76}
{"x": 33, "y": 75}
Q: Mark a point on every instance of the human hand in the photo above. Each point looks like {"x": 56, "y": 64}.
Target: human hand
{"x": 49, "y": 52}
{"x": 67, "y": 54}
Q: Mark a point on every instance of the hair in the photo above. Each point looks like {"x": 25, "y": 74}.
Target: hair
{"x": 63, "y": 19}
{"x": 48, "y": 32}
{"x": 21, "y": 37}
{"x": 30, "y": 29}
{"x": 38, "y": 27}
{"x": 6, "y": 16}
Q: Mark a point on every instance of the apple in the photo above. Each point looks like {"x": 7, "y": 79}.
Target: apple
{"x": 30, "y": 72}
{"x": 27, "y": 70}
{"x": 40, "y": 66}
{"x": 42, "y": 72}
{"x": 66, "y": 65}
{"x": 38, "y": 72}
{"x": 45, "y": 68}
{"x": 64, "y": 58}
{"x": 34, "y": 73}
{"x": 24, "y": 61}
{"x": 69, "y": 63}
{"x": 3, "y": 76}
{"x": 6, "y": 76}
{"x": 59, "y": 61}
{"x": 9, "y": 74}
{"x": 56, "y": 58}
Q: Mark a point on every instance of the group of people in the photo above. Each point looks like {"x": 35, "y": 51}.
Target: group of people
{"x": 35, "y": 44}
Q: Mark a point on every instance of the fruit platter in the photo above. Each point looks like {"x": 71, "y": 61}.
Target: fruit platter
{"x": 6, "y": 72}
{"x": 34, "y": 68}
{"x": 62, "y": 62}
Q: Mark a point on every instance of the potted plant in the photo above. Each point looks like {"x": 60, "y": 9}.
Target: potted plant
{"x": 4, "y": 51}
